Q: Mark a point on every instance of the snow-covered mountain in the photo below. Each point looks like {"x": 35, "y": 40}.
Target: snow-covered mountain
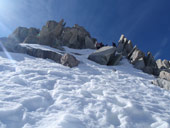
{"x": 39, "y": 93}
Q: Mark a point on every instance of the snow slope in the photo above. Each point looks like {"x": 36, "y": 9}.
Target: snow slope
{"x": 39, "y": 93}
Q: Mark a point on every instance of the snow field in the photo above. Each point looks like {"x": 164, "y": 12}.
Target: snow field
{"x": 38, "y": 93}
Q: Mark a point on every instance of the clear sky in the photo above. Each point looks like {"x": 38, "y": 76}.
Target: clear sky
{"x": 145, "y": 22}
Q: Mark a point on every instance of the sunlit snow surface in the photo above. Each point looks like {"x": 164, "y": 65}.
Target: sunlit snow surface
{"x": 39, "y": 93}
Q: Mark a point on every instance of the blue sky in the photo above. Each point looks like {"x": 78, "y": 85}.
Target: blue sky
{"x": 145, "y": 22}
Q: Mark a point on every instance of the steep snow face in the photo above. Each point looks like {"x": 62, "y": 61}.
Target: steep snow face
{"x": 39, "y": 93}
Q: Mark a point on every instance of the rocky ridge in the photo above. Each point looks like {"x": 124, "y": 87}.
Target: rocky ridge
{"x": 160, "y": 69}
{"x": 112, "y": 56}
{"x": 56, "y": 35}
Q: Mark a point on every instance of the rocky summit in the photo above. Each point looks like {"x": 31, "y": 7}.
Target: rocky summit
{"x": 55, "y": 34}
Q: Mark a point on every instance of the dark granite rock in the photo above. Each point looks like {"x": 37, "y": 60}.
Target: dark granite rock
{"x": 103, "y": 55}
{"x": 151, "y": 66}
{"x": 38, "y": 53}
{"x": 115, "y": 59}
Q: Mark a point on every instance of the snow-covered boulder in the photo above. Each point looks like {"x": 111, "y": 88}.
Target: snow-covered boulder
{"x": 103, "y": 55}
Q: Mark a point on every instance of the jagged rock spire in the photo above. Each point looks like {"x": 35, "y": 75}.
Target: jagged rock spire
{"x": 124, "y": 46}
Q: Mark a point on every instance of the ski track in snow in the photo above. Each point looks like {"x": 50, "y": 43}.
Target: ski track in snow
{"x": 39, "y": 93}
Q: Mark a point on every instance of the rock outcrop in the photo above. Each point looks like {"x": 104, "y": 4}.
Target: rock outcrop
{"x": 45, "y": 54}
{"x": 50, "y": 33}
{"x": 163, "y": 64}
{"x": 124, "y": 46}
{"x": 20, "y": 34}
{"x": 121, "y": 44}
{"x": 127, "y": 48}
{"x": 77, "y": 37}
{"x": 162, "y": 83}
{"x": 55, "y": 34}
{"x": 103, "y": 55}
{"x": 66, "y": 59}
{"x": 146, "y": 63}
{"x": 164, "y": 70}
{"x": 31, "y": 40}
{"x": 150, "y": 65}
{"x": 115, "y": 59}
{"x": 165, "y": 74}
{"x": 137, "y": 57}
{"x": 139, "y": 64}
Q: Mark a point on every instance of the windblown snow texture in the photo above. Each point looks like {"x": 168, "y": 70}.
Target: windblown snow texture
{"x": 39, "y": 93}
